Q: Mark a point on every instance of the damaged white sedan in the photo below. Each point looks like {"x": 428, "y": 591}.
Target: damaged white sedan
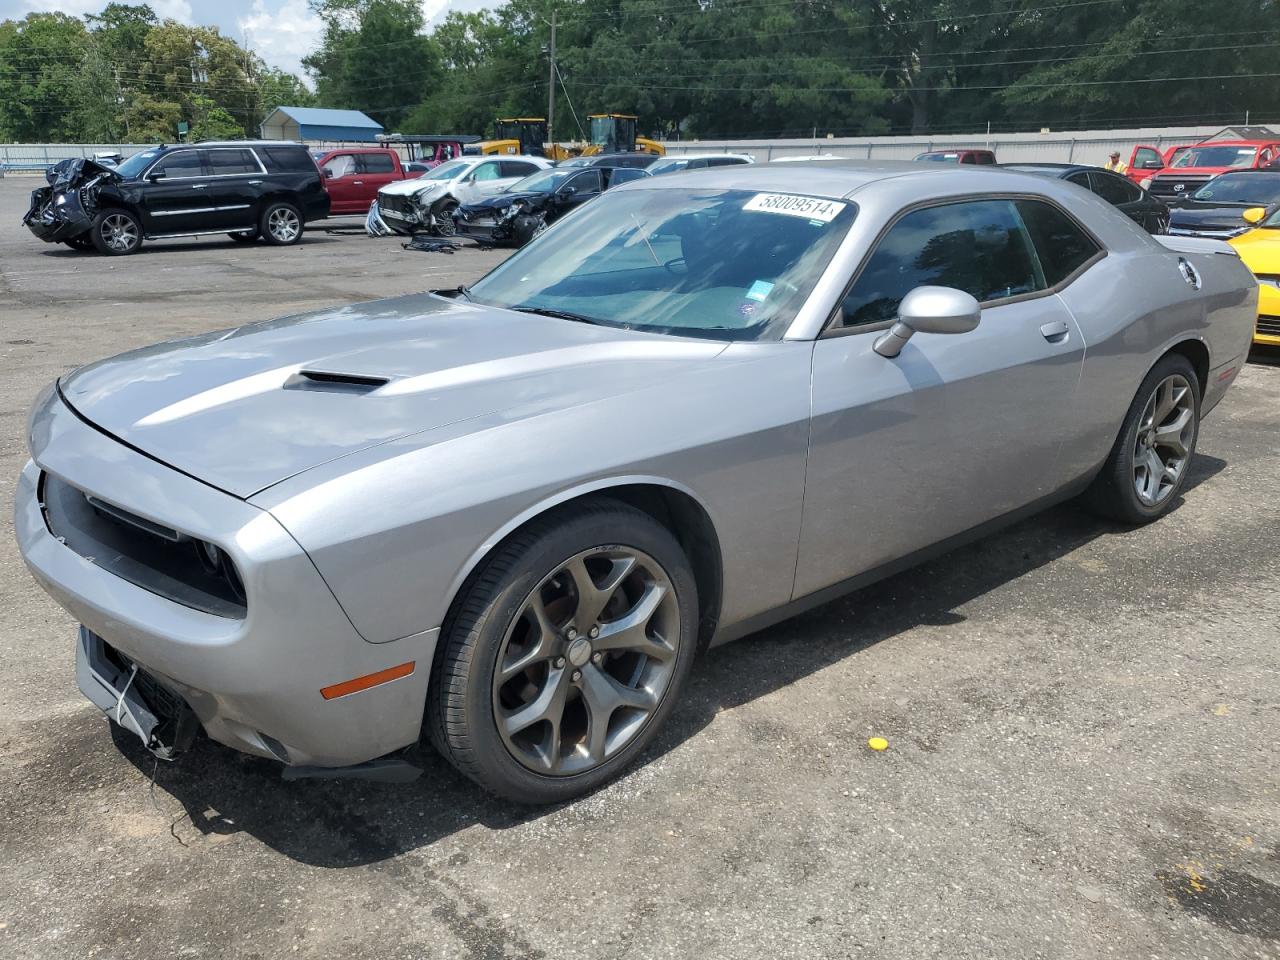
{"x": 426, "y": 203}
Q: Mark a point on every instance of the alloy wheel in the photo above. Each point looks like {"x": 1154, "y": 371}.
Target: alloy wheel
{"x": 284, "y": 224}
{"x": 1163, "y": 444}
{"x": 119, "y": 232}
{"x": 586, "y": 661}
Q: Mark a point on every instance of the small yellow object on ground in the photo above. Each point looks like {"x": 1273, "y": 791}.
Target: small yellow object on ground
{"x": 878, "y": 743}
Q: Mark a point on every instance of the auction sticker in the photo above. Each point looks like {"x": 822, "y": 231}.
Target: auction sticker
{"x": 810, "y": 208}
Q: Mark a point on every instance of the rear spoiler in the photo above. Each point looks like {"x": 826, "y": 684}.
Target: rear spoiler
{"x": 1196, "y": 245}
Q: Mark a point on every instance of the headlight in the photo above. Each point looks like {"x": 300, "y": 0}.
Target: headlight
{"x": 215, "y": 560}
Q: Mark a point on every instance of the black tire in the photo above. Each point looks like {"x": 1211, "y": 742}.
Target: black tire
{"x": 526, "y": 227}
{"x": 82, "y": 241}
{"x": 280, "y": 224}
{"x": 116, "y": 232}
{"x": 244, "y": 236}
{"x": 461, "y": 704}
{"x": 1114, "y": 492}
{"x": 443, "y": 216}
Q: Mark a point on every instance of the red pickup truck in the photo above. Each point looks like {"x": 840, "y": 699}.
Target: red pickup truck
{"x": 354, "y": 175}
{"x": 1181, "y": 171}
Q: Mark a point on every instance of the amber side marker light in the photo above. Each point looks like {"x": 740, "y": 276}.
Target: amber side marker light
{"x": 357, "y": 684}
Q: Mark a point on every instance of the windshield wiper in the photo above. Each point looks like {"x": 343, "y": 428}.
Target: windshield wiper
{"x": 560, "y": 315}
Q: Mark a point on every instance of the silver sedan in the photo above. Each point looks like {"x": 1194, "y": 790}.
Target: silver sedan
{"x": 514, "y": 513}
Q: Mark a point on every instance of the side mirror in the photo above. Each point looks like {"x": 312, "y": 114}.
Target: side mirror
{"x": 1153, "y": 165}
{"x": 1254, "y": 215}
{"x": 929, "y": 310}
{"x": 328, "y": 173}
{"x": 155, "y": 177}
{"x": 568, "y": 191}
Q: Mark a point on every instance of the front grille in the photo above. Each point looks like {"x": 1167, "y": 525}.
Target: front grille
{"x": 1269, "y": 325}
{"x": 397, "y": 204}
{"x": 147, "y": 554}
{"x": 1166, "y": 185}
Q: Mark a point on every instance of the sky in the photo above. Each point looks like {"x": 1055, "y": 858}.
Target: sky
{"x": 282, "y": 32}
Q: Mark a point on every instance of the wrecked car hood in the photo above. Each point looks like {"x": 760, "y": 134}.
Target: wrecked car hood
{"x": 503, "y": 200}
{"x": 246, "y": 408}
{"x": 409, "y": 188}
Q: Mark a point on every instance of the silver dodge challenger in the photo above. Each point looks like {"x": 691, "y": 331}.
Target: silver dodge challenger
{"x": 512, "y": 514}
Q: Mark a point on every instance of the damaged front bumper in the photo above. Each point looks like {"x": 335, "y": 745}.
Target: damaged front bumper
{"x": 66, "y": 208}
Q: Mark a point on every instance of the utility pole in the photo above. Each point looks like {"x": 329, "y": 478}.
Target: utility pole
{"x": 551, "y": 83}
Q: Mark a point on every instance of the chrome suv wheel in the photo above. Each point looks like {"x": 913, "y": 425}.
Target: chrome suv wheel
{"x": 281, "y": 224}
{"x": 116, "y": 233}
{"x": 565, "y": 653}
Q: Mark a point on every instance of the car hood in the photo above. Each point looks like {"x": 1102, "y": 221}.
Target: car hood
{"x": 503, "y": 200}
{"x": 246, "y": 408}
{"x": 408, "y": 188}
{"x": 1198, "y": 215}
{"x": 1259, "y": 249}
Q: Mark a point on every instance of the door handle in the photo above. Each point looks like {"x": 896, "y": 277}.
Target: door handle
{"x": 1055, "y": 331}
{"x": 254, "y": 183}
{"x": 199, "y": 186}
{"x": 358, "y": 183}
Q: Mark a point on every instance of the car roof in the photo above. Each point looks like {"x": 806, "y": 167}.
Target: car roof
{"x": 834, "y": 178}
{"x": 237, "y": 143}
{"x": 702, "y": 156}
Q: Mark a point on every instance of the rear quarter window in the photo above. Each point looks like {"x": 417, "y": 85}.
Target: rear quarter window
{"x": 1061, "y": 244}
{"x": 287, "y": 159}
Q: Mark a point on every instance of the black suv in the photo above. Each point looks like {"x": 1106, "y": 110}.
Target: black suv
{"x": 247, "y": 189}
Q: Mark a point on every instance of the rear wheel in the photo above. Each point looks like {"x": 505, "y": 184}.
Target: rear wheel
{"x": 116, "y": 233}
{"x": 280, "y": 224}
{"x": 565, "y": 654}
{"x": 1148, "y": 464}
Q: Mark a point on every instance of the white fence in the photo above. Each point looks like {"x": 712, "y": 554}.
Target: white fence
{"x": 1068, "y": 146}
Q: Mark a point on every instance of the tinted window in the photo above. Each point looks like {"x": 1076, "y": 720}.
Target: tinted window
{"x": 1063, "y": 246}
{"x": 987, "y": 158}
{"x": 980, "y": 247}
{"x": 518, "y": 168}
{"x": 620, "y": 175}
{"x": 724, "y": 161}
{"x": 1080, "y": 179}
{"x": 375, "y": 163}
{"x": 291, "y": 159}
{"x": 185, "y": 163}
{"x": 1113, "y": 189}
{"x": 227, "y": 162}
{"x": 586, "y": 182}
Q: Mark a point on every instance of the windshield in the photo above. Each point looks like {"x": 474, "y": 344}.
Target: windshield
{"x": 544, "y": 181}
{"x": 446, "y": 171}
{"x": 137, "y": 163}
{"x": 1216, "y": 157}
{"x": 724, "y": 264}
{"x": 1259, "y": 189}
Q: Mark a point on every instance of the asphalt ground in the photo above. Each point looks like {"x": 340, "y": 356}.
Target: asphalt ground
{"x": 1082, "y": 723}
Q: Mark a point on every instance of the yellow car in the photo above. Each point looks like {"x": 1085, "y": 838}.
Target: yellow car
{"x": 1260, "y": 250}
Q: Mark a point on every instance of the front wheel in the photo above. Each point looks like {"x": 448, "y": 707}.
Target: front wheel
{"x": 565, "y": 654}
{"x": 442, "y": 222}
{"x": 116, "y": 233}
{"x": 281, "y": 224}
{"x": 1148, "y": 464}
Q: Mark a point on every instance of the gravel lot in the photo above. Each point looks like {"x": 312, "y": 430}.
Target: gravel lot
{"x": 1083, "y": 725}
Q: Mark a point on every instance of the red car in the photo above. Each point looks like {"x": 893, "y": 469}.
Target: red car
{"x": 354, "y": 175}
{"x": 1184, "y": 170}
{"x": 981, "y": 157}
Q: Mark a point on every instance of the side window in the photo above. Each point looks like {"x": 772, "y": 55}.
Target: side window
{"x": 586, "y": 182}
{"x": 184, "y": 163}
{"x": 968, "y": 158}
{"x": 988, "y": 159}
{"x": 1146, "y": 158}
{"x": 1062, "y": 245}
{"x": 486, "y": 171}
{"x": 518, "y": 168}
{"x": 1113, "y": 189}
{"x": 1080, "y": 179}
{"x": 374, "y": 163}
{"x": 979, "y": 246}
{"x": 224, "y": 163}
{"x": 290, "y": 159}
{"x": 343, "y": 165}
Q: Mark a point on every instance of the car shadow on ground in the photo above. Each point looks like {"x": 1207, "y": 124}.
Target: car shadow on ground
{"x": 153, "y": 248}
{"x": 336, "y": 823}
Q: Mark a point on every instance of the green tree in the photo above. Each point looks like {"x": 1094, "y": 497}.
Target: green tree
{"x": 42, "y": 93}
